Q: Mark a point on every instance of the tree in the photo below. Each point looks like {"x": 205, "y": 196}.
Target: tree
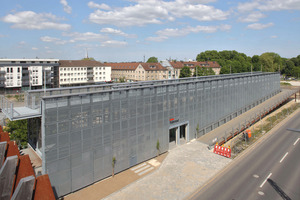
{"x": 18, "y": 132}
{"x": 270, "y": 62}
{"x": 88, "y": 58}
{"x": 157, "y": 147}
{"x": 152, "y": 60}
{"x": 113, "y": 163}
{"x": 185, "y": 72}
{"x": 122, "y": 79}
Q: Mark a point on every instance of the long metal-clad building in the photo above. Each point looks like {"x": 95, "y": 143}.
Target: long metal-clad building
{"x": 83, "y": 128}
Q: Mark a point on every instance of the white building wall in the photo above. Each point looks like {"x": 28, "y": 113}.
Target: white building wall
{"x": 13, "y": 76}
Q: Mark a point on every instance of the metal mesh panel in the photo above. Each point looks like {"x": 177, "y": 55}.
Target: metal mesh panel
{"x": 82, "y": 133}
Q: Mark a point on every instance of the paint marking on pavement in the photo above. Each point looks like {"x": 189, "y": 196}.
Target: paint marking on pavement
{"x": 284, "y": 157}
{"x": 296, "y": 141}
{"x": 141, "y": 165}
{"x": 261, "y": 193}
{"x": 141, "y": 169}
{"x": 147, "y": 170}
{"x": 255, "y": 176}
{"x": 265, "y": 180}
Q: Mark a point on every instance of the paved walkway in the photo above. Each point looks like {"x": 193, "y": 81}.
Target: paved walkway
{"x": 186, "y": 168}
{"x": 218, "y": 134}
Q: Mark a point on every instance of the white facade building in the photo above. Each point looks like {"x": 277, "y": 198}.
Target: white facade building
{"x": 82, "y": 72}
{"x": 17, "y": 74}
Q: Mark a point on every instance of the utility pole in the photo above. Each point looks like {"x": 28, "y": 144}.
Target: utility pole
{"x": 44, "y": 80}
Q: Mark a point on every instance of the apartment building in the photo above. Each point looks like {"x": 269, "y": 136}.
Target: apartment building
{"x": 132, "y": 72}
{"x": 23, "y": 74}
{"x": 82, "y": 72}
{"x": 177, "y": 65}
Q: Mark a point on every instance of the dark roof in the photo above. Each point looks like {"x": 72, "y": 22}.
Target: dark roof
{"x": 80, "y": 63}
{"x": 192, "y": 64}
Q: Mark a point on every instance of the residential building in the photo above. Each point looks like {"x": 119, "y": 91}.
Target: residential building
{"x": 23, "y": 74}
{"x": 132, "y": 72}
{"x": 82, "y": 72}
{"x": 175, "y": 66}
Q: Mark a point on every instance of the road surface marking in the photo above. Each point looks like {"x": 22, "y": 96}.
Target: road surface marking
{"x": 296, "y": 141}
{"x": 147, "y": 170}
{"x": 139, "y": 166}
{"x": 284, "y": 157}
{"x": 141, "y": 169}
{"x": 255, "y": 176}
{"x": 261, "y": 193}
{"x": 265, "y": 180}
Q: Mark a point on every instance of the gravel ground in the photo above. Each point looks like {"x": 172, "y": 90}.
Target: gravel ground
{"x": 186, "y": 168}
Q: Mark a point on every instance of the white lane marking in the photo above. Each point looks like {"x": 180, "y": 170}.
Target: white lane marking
{"x": 261, "y": 193}
{"x": 296, "y": 141}
{"x": 284, "y": 157}
{"x": 265, "y": 180}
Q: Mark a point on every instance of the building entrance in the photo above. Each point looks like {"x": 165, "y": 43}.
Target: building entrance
{"x": 178, "y": 134}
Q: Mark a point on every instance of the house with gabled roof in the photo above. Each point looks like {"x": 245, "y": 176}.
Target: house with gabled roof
{"x": 177, "y": 65}
{"x": 137, "y": 71}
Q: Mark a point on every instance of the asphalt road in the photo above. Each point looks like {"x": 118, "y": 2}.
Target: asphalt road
{"x": 276, "y": 156}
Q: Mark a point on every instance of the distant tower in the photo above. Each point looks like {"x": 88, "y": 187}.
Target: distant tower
{"x": 87, "y": 53}
{"x": 144, "y": 59}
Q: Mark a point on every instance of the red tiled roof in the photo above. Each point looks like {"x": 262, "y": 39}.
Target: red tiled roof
{"x": 134, "y": 65}
{"x": 123, "y": 66}
{"x": 12, "y": 149}
{"x": 4, "y": 136}
{"x": 80, "y": 63}
{"x": 25, "y": 169}
{"x": 153, "y": 67}
{"x": 43, "y": 189}
{"x": 192, "y": 64}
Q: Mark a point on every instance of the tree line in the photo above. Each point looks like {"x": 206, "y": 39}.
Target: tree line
{"x": 235, "y": 62}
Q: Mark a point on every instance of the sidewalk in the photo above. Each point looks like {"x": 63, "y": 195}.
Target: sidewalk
{"x": 110, "y": 185}
{"x": 186, "y": 168}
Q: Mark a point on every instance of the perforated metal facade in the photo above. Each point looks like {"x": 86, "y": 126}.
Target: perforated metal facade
{"x": 81, "y": 133}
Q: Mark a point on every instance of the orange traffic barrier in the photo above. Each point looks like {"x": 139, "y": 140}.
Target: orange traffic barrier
{"x": 223, "y": 151}
{"x": 249, "y": 133}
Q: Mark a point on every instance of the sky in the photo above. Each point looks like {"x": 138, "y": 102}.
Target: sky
{"x": 134, "y": 30}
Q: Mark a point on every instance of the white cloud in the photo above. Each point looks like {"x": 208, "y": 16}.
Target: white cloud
{"x": 169, "y": 32}
{"x": 32, "y": 20}
{"x": 1, "y": 36}
{"x": 280, "y": 5}
{"x": 116, "y": 32}
{"x": 87, "y": 36}
{"x": 259, "y": 26}
{"x": 34, "y": 48}
{"x": 156, "y": 12}
{"x": 113, "y": 43}
{"x": 53, "y": 40}
{"x": 248, "y": 6}
{"x": 102, "y": 6}
{"x": 274, "y": 36}
{"x": 268, "y": 5}
{"x": 252, "y": 17}
{"x": 67, "y": 8}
